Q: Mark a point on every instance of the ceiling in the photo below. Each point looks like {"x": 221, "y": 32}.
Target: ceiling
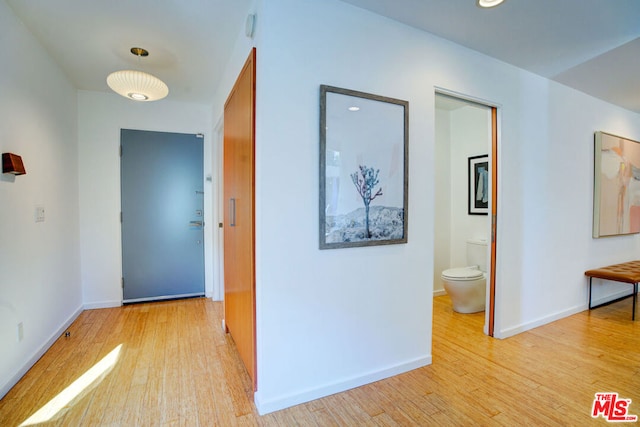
{"x": 189, "y": 41}
{"x": 591, "y": 45}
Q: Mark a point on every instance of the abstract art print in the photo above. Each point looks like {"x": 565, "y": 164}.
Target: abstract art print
{"x": 363, "y": 169}
{"x": 616, "y": 196}
{"x": 479, "y": 185}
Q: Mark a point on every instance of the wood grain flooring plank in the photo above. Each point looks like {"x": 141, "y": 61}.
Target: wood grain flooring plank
{"x": 178, "y": 367}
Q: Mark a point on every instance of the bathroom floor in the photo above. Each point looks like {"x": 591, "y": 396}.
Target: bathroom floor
{"x": 444, "y": 315}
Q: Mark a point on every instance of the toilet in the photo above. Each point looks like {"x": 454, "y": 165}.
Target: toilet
{"x": 467, "y": 285}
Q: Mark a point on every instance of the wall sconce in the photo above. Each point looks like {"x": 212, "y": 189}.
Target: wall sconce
{"x": 12, "y": 163}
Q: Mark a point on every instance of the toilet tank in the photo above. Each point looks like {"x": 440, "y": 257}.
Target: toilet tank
{"x": 477, "y": 253}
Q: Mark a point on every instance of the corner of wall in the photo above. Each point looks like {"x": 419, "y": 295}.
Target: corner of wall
{"x": 4, "y": 389}
{"x": 282, "y": 402}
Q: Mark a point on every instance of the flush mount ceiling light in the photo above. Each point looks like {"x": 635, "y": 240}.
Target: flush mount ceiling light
{"x": 137, "y": 85}
{"x": 489, "y": 3}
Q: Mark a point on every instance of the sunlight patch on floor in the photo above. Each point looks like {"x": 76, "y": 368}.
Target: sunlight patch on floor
{"x": 65, "y": 398}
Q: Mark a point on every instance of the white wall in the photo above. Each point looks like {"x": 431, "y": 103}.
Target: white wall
{"x": 332, "y": 319}
{"x": 329, "y": 320}
{"x": 470, "y": 136}
{"x": 100, "y": 118}
{"x": 239, "y": 55}
{"x": 460, "y": 133}
{"x": 443, "y": 195}
{"x": 39, "y": 262}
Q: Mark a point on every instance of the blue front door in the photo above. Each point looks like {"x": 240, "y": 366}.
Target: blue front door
{"x": 162, "y": 215}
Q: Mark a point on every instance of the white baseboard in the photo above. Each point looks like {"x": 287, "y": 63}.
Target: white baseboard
{"x": 102, "y": 304}
{"x": 509, "y": 332}
{"x": 611, "y": 297}
{"x": 38, "y": 353}
{"x": 439, "y": 293}
{"x": 278, "y": 403}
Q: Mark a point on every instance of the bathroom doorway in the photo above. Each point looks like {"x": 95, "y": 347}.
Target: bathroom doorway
{"x": 465, "y": 208}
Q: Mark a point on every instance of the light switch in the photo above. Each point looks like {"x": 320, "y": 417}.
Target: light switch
{"x": 39, "y": 213}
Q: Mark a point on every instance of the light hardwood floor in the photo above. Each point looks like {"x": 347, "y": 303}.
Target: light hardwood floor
{"x": 176, "y": 367}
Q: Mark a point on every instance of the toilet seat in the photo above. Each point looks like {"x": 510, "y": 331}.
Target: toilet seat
{"x": 462, "y": 274}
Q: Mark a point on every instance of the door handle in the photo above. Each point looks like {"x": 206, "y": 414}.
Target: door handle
{"x": 196, "y": 223}
{"x": 232, "y": 212}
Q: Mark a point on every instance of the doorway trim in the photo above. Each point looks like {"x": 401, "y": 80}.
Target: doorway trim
{"x": 495, "y": 120}
{"x": 218, "y": 210}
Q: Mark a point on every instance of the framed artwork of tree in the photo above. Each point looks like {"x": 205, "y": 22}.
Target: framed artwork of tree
{"x": 364, "y": 142}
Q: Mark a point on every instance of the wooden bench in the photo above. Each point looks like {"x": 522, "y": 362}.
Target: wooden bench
{"x": 627, "y": 272}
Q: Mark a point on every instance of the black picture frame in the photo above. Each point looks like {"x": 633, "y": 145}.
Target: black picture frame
{"x": 478, "y": 194}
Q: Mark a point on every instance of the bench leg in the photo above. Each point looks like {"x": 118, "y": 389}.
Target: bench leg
{"x": 635, "y": 297}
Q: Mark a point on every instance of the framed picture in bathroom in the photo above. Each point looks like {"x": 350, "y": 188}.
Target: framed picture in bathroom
{"x": 363, "y": 169}
{"x": 479, "y": 185}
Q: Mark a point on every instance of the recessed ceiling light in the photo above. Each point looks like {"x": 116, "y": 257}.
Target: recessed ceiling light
{"x": 489, "y": 3}
{"x": 354, "y": 108}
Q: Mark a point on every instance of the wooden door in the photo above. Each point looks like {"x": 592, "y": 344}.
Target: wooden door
{"x": 239, "y": 200}
{"x": 494, "y": 217}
